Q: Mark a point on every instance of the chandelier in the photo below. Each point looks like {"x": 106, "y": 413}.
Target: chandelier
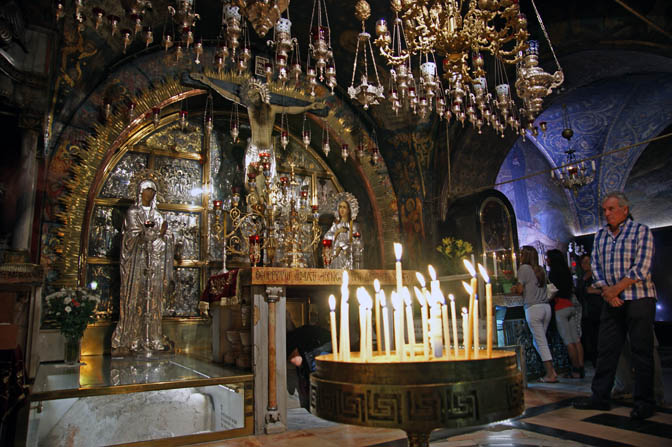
{"x": 460, "y": 34}
{"x": 573, "y": 175}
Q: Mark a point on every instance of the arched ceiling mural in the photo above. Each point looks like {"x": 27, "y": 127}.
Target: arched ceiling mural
{"x": 606, "y": 115}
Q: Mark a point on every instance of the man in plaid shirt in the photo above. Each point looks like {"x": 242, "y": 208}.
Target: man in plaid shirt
{"x": 621, "y": 261}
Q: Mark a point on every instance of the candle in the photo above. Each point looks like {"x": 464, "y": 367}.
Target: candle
{"x": 397, "y": 265}
{"x": 332, "y": 326}
{"x": 446, "y": 328}
{"x": 434, "y": 320}
{"x": 386, "y": 324}
{"x": 466, "y": 336}
{"x": 515, "y": 265}
{"x": 379, "y": 340}
{"x": 362, "y": 325}
{"x": 421, "y": 281}
{"x": 345, "y": 324}
{"x": 368, "y": 304}
{"x": 488, "y": 310}
{"x": 398, "y": 326}
{"x": 465, "y": 330}
{"x": 592, "y": 164}
{"x": 425, "y": 321}
{"x": 494, "y": 263}
{"x": 472, "y": 294}
{"x": 477, "y": 344}
{"x": 434, "y": 283}
{"x": 485, "y": 259}
{"x": 410, "y": 326}
{"x": 453, "y": 317}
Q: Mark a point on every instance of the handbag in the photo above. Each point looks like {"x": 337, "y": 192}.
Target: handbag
{"x": 551, "y": 290}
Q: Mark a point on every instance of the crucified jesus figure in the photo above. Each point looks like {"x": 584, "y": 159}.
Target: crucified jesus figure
{"x": 254, "y": 95}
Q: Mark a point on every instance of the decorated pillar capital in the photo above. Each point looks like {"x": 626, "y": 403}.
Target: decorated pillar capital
{"x": 273, "y": 294}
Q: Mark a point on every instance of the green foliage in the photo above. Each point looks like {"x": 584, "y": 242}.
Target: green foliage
{"x": 72, "y": 309}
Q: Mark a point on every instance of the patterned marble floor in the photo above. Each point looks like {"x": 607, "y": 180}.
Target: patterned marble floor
{"x": 549, "y": 420}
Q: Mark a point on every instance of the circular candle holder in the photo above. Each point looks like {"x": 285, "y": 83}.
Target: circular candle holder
{"x": 417, "y": 396}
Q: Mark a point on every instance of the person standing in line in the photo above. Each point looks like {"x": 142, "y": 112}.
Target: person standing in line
{"x": 532, "y": 285}
{"x": 567, "y": 316}
{"x": 591, "y": 299}
{"x": 621, "y": 261}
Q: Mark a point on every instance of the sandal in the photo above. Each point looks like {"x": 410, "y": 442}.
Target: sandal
{"x": 544, "y": 380}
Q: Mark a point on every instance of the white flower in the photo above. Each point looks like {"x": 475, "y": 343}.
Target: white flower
{"x": 68, "y": 309}
{"x": 67, "y": 300}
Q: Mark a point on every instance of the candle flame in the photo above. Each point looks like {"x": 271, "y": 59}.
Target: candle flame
{"x": 344, "y": 287}
{"x": 470, "y": 268}
{"x": 421, "y": 279}
{"x": 420, "y": 296}
{"x": 467, "y": 287}
{"x": 406, "y": 296}
{"x": 364, "y": 298}
{"x": 376, "y": 285}
{"x": 484, "y": 273}
{"x": 382, "y": 299}
{"x": 332, "y": 302}
{"x": 397, "y": 251}
{"x": 396, "y": 301}
{"x": 451, "y": 297}
{"x": 442, "y": 299}
{"x": 432, "y": 272}
{"x": 464, "y": 311}
{"x": 360, "y": 296}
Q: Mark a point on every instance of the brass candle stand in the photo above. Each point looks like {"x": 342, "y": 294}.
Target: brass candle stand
{"x": 417, "y": 396}
{"x": 277, "y": 218}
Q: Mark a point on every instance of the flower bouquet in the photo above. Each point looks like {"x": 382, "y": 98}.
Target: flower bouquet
{"x": 72, "y": 309}
{"x": 452, "y": 252}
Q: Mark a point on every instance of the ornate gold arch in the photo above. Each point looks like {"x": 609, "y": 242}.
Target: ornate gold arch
{"x": 106, "y": 140}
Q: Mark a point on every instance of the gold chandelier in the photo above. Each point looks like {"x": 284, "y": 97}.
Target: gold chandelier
{"x": 461, "y": 33}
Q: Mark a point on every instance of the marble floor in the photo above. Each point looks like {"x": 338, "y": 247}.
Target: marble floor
{"x": 549, "y": 420}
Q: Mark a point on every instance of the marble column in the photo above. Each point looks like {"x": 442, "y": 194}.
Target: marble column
{"x": 270, "y": 359}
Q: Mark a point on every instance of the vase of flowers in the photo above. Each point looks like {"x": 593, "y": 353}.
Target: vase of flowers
{"x": 452, "y": 252}
{"x": 72, "y": 309}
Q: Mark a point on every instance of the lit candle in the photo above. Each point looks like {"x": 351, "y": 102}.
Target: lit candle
{"x": 379, "y": 340}
{"x": 494, "y": 263}
{"x": 345, "y": 324}
{"x": 466, "y": 336}
{"x": 477, "y": 343}
{"x": 362, "y": 325}
{"x": 488, "y": 309}
{"x": 472, "y": 294}
{"x": 446, "y": 328}
{"x": 368, "y": 304}
{"x": 386, "y": 324}
{"x": 485, "y": 259}
{"x": 453, "y": 318}
{"x": 397, "y": 265}
{"x": 332, "y": 325}
{"x": 421, "y": 281}
{"x": 398, "y": 326}
{"x": 434, "y": 284}
{"x": 410, "y": 326}
{"x": 421, "y": 297}
{"x": 515, "y": 265}
{"x": 465, "y": 330}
